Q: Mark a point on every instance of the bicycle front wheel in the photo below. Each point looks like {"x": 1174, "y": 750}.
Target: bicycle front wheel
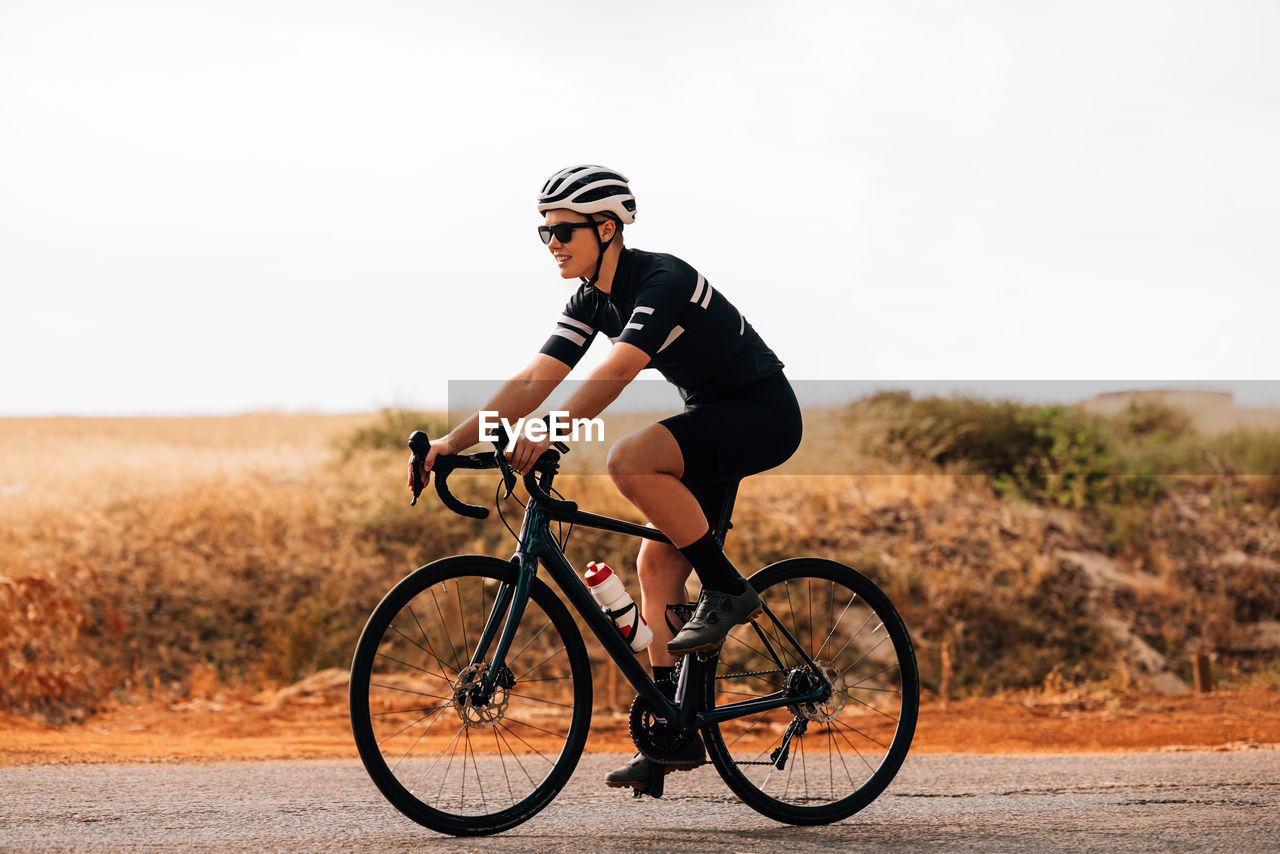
{"x": 444, "y": 752}
{"x": 820, "y": 761}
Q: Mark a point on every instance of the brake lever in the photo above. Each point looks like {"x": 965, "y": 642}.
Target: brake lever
{"x": 504, "y": 465}
{"x": 419, "y": 444}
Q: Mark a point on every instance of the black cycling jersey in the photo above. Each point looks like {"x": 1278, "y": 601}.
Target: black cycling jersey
{"x": 692, "y": 334}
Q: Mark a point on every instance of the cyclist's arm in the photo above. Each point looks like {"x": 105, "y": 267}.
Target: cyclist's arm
{"x": 607, "y": 381}
{"x": 602, "y": 387}
{"x": 518, "y": 396}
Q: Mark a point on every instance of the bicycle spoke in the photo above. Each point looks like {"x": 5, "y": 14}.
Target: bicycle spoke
{"x": 479, "y": 782}
{"x": 810, "y": 591}
{"x": 870, "y": 616}
{"x": 412, "y": 666}
{"x": 406, "y": 711}
{"x": 512, "y": 732}
{"x": 786, "y": 586}
{"x": 831, "y": 775}
{"x": 874, "y": 709}
{"x": 864, "y": 655}
{"x": 466, "y": 642}
{"x": 438, "y": 755}
{"x": 510, "y": 720}
{"x": 512, "y": 751}
{"x": 546, "y": 679}
{"x": 882, "y": 670}
{"x": 408, "y": 691}
{"x": 497, "y": 742}
{"x": 860, "y": 733}
{"x": 511, "y": 659}
{"x": 540, "y": 700}
{"x": 836, "y": 624}
{"x": 748, "y": 729}
{"x": 757, "y": 652}
{"x": 428, "y": 649}
{"x": 831, "y": 733}
{"x": 448, "y": 635}
{"x": 411, "y": 724}
{"x": 540, "y": 663}
{"x": 752, "y": 694}
{"x": 804, "y": 771}
{"x": 855, "y": 749}
{"x": 444, "y": 778}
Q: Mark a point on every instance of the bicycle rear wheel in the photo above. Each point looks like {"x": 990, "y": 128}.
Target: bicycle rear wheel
{"x": 439, "y": 750}
{"x": 822, "y": 761}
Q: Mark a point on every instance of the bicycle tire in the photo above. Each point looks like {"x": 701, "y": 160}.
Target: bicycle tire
{"x": 870, "y": 718}
{"x": 408, "y": 697}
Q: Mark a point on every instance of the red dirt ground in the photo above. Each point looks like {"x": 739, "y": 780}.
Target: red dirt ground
{"x": 312, "y": 726}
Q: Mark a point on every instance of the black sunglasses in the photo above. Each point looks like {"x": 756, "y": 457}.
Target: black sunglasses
{"x": 562, "y": 231}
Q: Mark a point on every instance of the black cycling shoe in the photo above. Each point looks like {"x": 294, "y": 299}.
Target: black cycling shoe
{"x": 636, "y": 773}
{"x": 714, "y": 616}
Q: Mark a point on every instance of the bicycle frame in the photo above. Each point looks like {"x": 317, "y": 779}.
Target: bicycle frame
{"x": 536, "y": 544}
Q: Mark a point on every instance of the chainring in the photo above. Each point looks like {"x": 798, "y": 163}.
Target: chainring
{"x": 658, "y": 741}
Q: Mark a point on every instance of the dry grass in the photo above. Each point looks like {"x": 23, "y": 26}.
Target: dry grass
{"x": 172, "y": 558}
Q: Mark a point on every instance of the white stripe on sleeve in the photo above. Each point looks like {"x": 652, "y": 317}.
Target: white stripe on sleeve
{"x": 569, "y": 321}
{"x": 571, "y": 335}
{"x": 697, "y": 291}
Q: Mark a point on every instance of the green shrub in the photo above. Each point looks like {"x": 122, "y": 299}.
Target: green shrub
{"x": 1051, "y": 454}
{"x": 391, "y": 431}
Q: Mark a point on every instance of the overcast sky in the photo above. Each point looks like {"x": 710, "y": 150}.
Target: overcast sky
{"x": 215, "y": 207}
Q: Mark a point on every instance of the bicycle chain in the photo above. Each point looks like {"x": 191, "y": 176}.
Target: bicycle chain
{"x": 753, "y": 673}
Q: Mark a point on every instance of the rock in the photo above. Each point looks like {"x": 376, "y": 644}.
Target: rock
{"x": 1148, "y": 667}
{"x": 1103, "y": 573}
{"x": 321, "y": 686}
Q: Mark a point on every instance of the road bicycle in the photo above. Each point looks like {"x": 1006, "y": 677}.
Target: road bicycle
{"x": 471, "y": 689}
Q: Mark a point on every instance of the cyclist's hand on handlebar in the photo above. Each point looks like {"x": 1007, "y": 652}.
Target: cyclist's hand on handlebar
{"x": 526, "y": 453}
{"x": 438, "y": 447}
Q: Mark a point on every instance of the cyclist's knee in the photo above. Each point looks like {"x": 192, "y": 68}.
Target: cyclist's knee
{"x": 646, "y": 452}
{"x": 624, "y": 459}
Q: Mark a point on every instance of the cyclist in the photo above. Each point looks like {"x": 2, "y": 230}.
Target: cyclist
{"x": 740, "y": 415}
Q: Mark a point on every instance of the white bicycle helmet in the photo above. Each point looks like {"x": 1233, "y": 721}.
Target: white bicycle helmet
{"x": 589, "y": 190}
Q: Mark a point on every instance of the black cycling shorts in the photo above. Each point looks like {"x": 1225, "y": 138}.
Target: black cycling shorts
{"x": 753, "y": 429}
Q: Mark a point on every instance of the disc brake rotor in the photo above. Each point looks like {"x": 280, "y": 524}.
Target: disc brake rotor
{"x": 475, "y": 712}
{"x": 824, "y": 710}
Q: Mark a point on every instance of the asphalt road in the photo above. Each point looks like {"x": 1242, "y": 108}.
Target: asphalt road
{"x": 1150, "y": 802}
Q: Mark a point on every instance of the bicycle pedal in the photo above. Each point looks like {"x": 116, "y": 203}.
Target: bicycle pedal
{"x": 657, "y": 778}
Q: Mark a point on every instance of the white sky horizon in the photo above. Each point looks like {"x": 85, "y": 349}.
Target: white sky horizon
{"x": 211, "y": 208}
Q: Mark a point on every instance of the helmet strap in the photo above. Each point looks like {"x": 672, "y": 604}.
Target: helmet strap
{"x": 603, "y": 244}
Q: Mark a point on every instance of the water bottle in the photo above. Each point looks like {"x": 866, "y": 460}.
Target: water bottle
{"x": 615, "y": 601}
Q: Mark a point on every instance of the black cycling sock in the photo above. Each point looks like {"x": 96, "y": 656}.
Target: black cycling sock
{"x": 665, "y": 679}
{"x": 713, "y": 568}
